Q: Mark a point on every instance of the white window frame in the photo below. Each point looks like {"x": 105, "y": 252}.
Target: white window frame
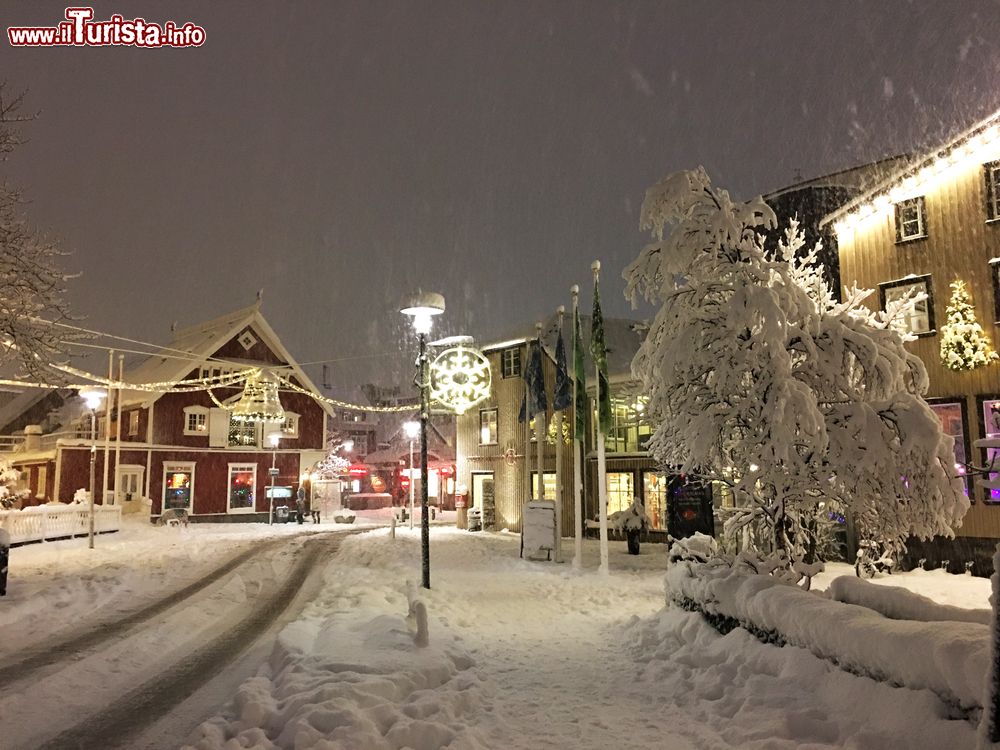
{"x": 243, "y": 446}
{"x": 177, "y": 466}
{"x": 196, "y": 411}
{"x": 927, "y": 313}
{"x": 992, "y": 170}
{"x": 241, "y": 467}
{"x": 247, "y": 340}
{"x": 510, "y": 372}
{"x": 496, "y": 423}
{"x": 919, "y": 205}
{"x": 133, "y": 422}
{"x": 290, "y": 427}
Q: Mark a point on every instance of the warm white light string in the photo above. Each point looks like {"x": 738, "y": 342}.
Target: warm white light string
{"x": 206, "y": 384}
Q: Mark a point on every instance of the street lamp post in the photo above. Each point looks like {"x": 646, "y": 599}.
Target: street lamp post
{"x": 274, "y": 438}
{"x": 92, "y": 398}
{"x": 412, "y": 430}
{"x": 421, "y": 308}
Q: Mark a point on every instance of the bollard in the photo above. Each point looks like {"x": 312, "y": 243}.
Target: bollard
{"x": 392, "y": 526}
{"x": 4, "y": 559}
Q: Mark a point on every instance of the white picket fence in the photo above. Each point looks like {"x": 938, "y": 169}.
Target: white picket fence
{"x": 58, "y": 521}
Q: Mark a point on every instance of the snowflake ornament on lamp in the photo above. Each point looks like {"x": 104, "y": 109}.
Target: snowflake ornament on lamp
{"x": 964, "y": 345}
{"x": 460, "y": 378}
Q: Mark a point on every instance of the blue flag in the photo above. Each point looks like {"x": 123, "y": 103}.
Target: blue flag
{"x": 563, "y": 396}
{"x": 534, "y": 384}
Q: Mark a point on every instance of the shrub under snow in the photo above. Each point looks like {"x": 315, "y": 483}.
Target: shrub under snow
{"x": 953, "y": 656}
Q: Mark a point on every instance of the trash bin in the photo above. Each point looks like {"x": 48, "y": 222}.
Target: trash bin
{"x": 281, "y": 514}
{"x": 475, "y": 519}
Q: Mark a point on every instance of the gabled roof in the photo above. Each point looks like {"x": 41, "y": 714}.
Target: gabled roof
{"x": 194, "y": 346}
{"x": 916, "y": 171}
{"x": 856, "y": 178}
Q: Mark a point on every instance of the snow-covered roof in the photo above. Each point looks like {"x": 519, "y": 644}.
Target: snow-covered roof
{"x": 192, "y": 347}
{"x": 622, "y": 337}
{"x": 857, "y": 178}
{"x": 911, "y": 169}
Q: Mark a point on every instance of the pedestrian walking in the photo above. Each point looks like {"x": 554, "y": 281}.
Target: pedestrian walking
{"x": 300, "y": 503}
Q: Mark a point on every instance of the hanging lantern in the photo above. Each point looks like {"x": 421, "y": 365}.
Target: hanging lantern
{"x": 259, "y": 402}
{"x": 460, "y": 378}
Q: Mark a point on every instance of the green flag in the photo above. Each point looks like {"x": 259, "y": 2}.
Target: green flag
{"x": 580, "y": 375}
{"x": 599, "y": 352}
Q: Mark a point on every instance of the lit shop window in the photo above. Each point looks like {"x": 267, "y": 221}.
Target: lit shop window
{"x": 242, "y": 486}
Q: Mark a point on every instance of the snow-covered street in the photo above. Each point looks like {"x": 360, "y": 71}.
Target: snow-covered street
{"x": 522, "y": 654}
{"x": 529, "y": 654}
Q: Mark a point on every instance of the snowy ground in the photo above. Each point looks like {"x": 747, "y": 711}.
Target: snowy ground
{"x": 522, "y": 654}
{"x": 527, "y": 655}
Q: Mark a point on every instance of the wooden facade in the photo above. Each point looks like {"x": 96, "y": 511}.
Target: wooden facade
{"x": 961, "y": 239}
{"x": 505, "y": 458}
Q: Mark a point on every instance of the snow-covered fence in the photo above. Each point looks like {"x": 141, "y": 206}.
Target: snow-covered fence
{"x": 954, "y": 656}
{"x": 58, "y": 521}
{"x": 901, "y": 604}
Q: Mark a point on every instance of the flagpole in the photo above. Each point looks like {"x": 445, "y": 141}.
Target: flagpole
{"x": 560, "y": 313}
{"x": 602, "y": 470}
{"x": 577, "y": 438}
{"x": 527, "y": 435}
{"x": 540, "y": 430}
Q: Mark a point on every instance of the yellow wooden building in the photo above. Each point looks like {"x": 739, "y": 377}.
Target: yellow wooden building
{"x": 933, "y": 221}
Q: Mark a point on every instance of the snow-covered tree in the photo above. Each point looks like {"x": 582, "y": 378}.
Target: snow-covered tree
{"x": 10, "y": 495}
{"x": 336, "y": 461}
{"x": 31, "y": 284}
{"x": 964, "y": 345}
{"x": 759, "y": 378}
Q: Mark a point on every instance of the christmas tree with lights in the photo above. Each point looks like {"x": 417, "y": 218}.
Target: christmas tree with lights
{"x": 964, "y": 345}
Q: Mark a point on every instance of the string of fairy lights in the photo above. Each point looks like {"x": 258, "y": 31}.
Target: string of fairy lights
{"x": 460, "y": 378}
{"x": 249, "y": 377}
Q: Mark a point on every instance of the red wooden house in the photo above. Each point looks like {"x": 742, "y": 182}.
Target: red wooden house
{"x": 181, "y": 450}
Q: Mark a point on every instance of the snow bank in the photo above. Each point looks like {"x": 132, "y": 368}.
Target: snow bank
{"x": 349, "y": 674}
{"x": 901, "y": 604}
{"x": 953, "y": 655}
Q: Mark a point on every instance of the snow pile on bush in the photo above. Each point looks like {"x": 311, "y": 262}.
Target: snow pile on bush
{"x": 953, "y": 655}
{"x": 900, "y": 604}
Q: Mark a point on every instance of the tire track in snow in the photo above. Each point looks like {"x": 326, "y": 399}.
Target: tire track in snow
{"x": 119, "y": 723}
{"x": 106, "y": 629}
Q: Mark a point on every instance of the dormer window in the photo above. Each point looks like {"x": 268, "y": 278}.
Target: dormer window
{"x": 911, "y": 220}
{"x": 195, "y": 420}
{"x": 290, "y": 427}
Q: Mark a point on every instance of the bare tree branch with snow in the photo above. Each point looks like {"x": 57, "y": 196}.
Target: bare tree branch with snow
{"x": 31, "y": 282}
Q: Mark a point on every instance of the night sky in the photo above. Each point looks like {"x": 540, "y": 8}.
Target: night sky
{"x": 337, "y": 154}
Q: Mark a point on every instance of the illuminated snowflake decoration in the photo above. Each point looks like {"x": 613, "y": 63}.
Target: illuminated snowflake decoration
{"x": 460, "y": 378}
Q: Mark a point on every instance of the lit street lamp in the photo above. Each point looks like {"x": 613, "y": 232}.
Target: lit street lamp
{"x": 412, "y": 430}
{"x": 92, "y": 398}
{"x": 421, "y": 307}
{"x": 274, "y": 438}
